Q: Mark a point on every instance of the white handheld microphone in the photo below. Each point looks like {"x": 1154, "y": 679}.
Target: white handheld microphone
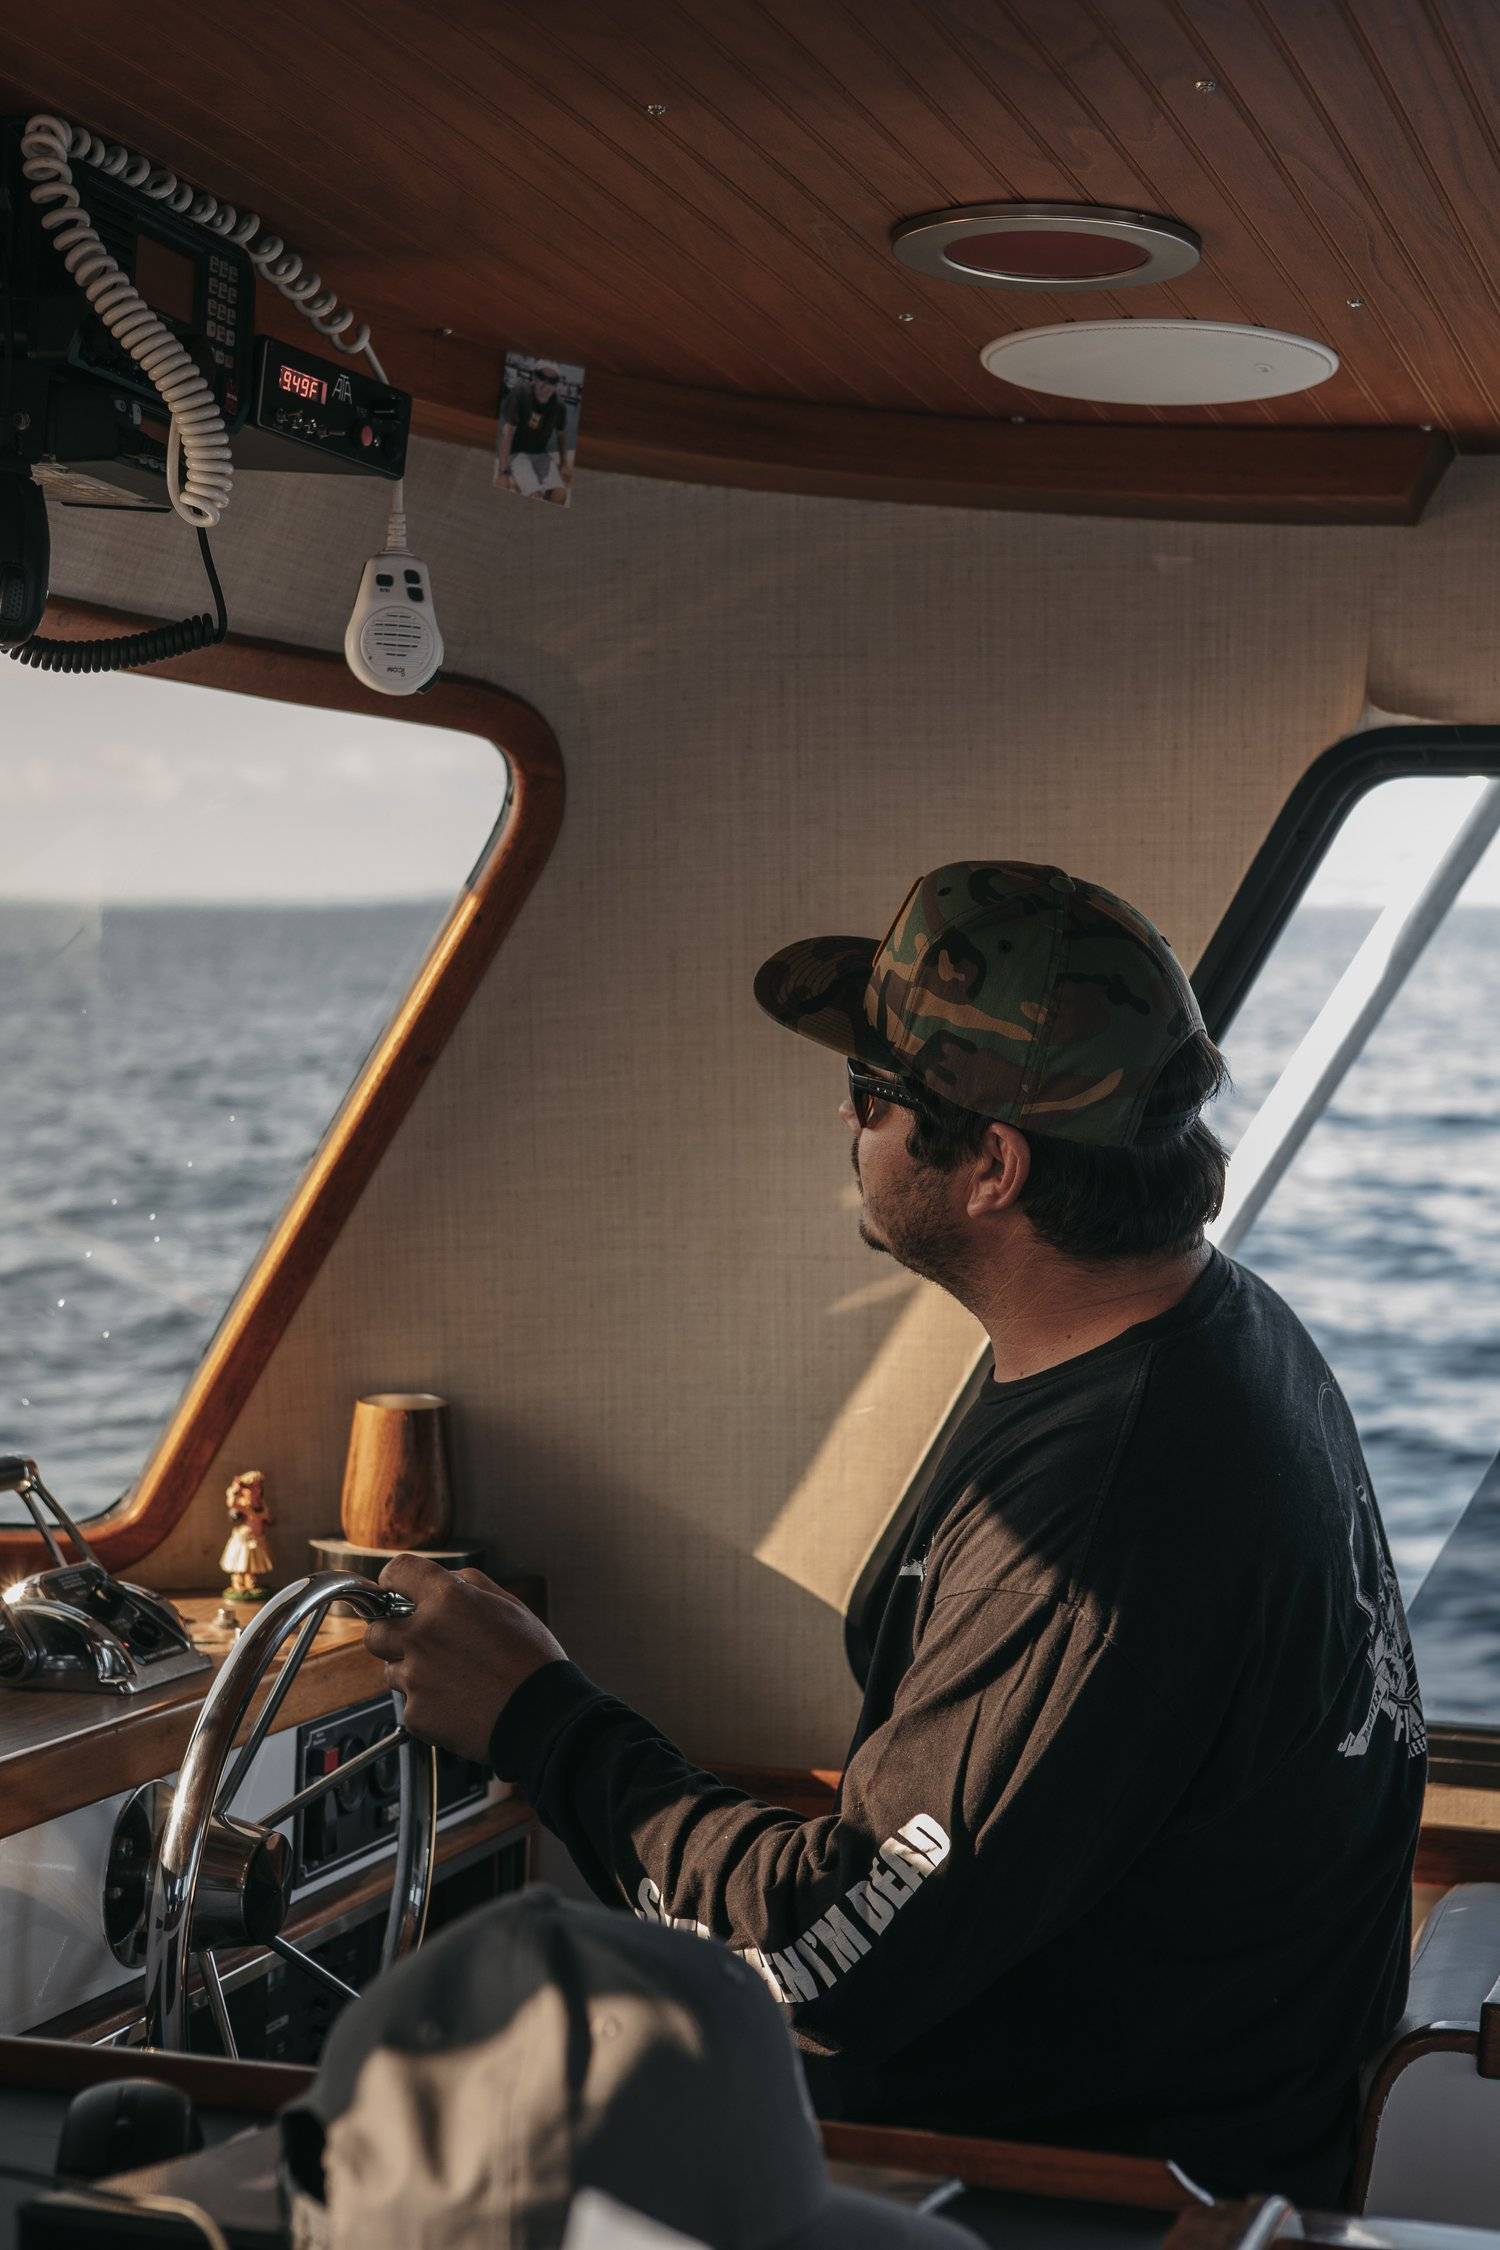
{"x": 392, "y": 642}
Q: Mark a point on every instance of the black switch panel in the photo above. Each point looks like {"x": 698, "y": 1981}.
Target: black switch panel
{"x": 355, "y": 1815}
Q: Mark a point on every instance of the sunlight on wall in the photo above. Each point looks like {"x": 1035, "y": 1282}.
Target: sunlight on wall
{"x": 819, "y": 1539}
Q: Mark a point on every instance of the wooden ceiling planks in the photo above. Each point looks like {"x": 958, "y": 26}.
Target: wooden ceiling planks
{"x": 475, "y": 170}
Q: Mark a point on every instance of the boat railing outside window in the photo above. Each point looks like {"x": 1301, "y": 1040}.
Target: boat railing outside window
{"x": 212, "y": 908}
{"x": 1364, "y": 1184}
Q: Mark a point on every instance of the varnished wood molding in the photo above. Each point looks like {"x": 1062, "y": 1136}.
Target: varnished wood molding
{"x": 1080, "y": 2175}
{"x": 391, "y": 1080}
{"x": 1446, "y": 1856}
{"x": 1194, "y": 474}
{"x": 46, "y": 2066}
{"x": 808, "y": 1791}
{"x": 1201, "y": 475}
{"x": 58, "y": 1752}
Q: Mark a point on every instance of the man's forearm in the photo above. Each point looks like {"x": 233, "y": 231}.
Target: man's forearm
{"x": 802, "y": 1901}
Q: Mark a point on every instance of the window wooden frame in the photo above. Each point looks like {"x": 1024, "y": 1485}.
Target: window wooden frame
{"x": 380, "y": 1098}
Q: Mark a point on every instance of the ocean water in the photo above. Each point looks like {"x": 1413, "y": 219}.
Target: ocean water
{"x": 1385, "y": 1233}
{"x": 167, "y": 1074}
{"x": 168, "y": 1071}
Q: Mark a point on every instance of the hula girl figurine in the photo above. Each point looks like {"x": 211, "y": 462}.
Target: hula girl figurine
{"x": 246, "y": 1556}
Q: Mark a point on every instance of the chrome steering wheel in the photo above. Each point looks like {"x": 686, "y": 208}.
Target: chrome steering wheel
{"x": 216, "y": 1880}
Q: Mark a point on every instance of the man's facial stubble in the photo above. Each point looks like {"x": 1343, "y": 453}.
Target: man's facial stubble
{"x": 919, "y": 1230}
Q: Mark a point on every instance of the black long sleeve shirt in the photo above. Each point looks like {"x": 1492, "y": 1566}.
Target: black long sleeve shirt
{"x": 1123, "y": 1849}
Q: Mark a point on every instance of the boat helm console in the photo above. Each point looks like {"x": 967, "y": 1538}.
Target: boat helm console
{"x": 76, "y": 1627}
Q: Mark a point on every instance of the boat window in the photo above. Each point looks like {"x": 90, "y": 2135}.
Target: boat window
{"x": 212, "y": 906}
{"x": 1364, "y": 1125}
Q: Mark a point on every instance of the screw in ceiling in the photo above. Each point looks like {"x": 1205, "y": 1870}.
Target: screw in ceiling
{"x": 656, "y": 109}
{"x": 906, "y": 316}
{"x": 1355, "y": 304}
{"x": 1205, "y": 85}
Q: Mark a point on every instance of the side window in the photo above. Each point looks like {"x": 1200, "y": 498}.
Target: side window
{"x": 1364, "y": 1130}
{"x": 212, "y": 907}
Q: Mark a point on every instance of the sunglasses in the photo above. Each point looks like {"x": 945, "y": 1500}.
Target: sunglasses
{"x": 867, "y": 1092}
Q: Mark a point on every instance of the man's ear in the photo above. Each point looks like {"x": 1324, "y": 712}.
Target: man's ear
{"x": 1000, "y": 1171}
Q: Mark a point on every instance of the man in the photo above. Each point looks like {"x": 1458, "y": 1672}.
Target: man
{"x": 533, "y": 458}
{"x": 1123, "y": 1849}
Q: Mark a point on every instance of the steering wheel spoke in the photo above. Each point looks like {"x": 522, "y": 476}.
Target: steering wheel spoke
{"x": 213, "y": 1985}
{"x": 369, "y": 1756}
{"x": 217, "y": 1880}
{"x": 265, "y": 1716}
{"x": 313, "y": 1967}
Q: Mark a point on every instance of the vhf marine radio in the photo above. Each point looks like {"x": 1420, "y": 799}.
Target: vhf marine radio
{"x": 82, "y": 412}
{"x": 131, "y": 376}
{"x": 94, "y": 430}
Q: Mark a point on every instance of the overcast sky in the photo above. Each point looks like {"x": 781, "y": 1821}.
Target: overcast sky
{"x": 140, "y": 788}
{"x": 1390, "y": 839}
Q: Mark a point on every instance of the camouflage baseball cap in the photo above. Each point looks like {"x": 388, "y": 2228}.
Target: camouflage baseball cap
{"x": 1014, "y": 990}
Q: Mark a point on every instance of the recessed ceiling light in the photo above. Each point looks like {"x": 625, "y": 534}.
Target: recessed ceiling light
{"x": 1047, "y": 246}
{"x": 1159, "y": 362}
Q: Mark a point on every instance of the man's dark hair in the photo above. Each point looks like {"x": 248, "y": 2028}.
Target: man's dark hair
{"x": 1151, "y": 1200}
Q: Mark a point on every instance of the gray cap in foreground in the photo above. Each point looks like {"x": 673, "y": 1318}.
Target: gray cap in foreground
{"x": 538, "y": 2047}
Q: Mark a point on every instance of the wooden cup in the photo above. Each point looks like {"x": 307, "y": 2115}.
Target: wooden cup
{"x": 396, "y": 1491}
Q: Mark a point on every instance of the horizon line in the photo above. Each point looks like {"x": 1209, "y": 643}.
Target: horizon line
{"x": 77, "y": 899}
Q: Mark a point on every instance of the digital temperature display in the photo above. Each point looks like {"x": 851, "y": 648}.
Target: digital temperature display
{"x": 304, "y": 386}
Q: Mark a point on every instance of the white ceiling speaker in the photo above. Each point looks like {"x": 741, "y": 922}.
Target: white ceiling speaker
{"x": 1159, "y": 362}
{"x": 1046, "y": 246}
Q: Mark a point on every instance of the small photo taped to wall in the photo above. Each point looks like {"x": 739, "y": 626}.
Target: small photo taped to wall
{"x": 538, "y": 437}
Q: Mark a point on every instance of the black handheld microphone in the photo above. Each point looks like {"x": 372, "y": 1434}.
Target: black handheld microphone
{"x": 25, "y": 553}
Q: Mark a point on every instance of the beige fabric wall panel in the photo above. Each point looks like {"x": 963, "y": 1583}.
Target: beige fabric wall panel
{"x": 1435, "y": 629}
{"x": 618, "y": 1229}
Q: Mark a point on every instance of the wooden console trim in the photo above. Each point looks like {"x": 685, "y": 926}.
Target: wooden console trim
{"x": 46, "y": 2066}
{"x": 385, "y": 1090}
{"x": 58, "y": 1752}
{"x": 1446, "y": 1856}
{"x": 1075, "y": 2175}
{"x": 261, "y": 2089}
{"x": 808, "y": 1791}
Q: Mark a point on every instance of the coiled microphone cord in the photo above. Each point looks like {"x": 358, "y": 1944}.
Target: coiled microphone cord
{"x": 125, "y": 651}
{"x": 198, "y": 435}
{"x": 199, "y": 467}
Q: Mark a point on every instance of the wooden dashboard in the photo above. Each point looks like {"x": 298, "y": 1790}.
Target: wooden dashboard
{"x": 58, "y": 1752}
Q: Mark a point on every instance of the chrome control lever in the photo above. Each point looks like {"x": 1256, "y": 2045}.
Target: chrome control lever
{"x": 75, "y": 1627}
{"x": 17, "y": 1474}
